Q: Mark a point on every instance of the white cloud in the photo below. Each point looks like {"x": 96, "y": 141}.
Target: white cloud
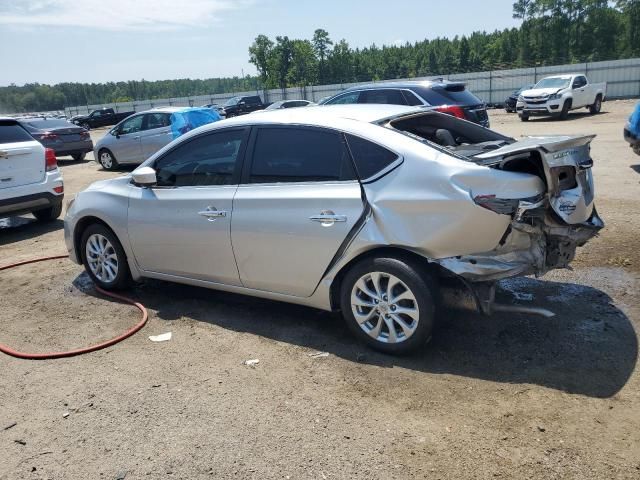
{"x": 116, "y": 14}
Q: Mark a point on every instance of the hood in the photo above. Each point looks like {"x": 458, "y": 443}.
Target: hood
{"x": 540, "y": 92}
{"x": 79, "y": 117}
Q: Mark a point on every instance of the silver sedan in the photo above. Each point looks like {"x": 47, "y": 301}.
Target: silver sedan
{"x": 367, "y": 209}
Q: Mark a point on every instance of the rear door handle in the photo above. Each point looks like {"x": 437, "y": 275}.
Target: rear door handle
{"x": 328, "y": 218}
{"x": 212, "y": 213}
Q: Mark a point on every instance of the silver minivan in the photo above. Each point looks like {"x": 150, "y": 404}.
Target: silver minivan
{"x": 139, "y": 136}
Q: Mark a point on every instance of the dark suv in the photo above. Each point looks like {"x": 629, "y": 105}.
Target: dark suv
{"x": 449, "y": 97}
{"x": 241, "y": 105}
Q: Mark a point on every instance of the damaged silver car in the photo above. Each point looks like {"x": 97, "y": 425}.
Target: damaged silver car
{"x": 380, "y": 211}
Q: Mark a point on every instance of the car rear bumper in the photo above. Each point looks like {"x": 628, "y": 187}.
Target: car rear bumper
{"x": 29, "y": 203}
{"x": 36, "y": 196}
{"x": 70, "y": 148}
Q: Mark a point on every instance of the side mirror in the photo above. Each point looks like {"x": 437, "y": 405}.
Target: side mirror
{"x": 144, "y": 177}
{"x": 242, "y": 103}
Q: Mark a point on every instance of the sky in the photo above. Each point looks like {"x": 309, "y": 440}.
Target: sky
{"x": 52, "y": 41}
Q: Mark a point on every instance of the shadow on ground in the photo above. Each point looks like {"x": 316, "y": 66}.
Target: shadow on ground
{"x": 16, "y": 229}
{"x": 574, "y": 115}
{"x": 589, "y": 348}
{"x": 636, "y": 168}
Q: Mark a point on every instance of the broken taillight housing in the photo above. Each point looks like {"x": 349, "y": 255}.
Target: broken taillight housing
{"x": 503, "y": 206}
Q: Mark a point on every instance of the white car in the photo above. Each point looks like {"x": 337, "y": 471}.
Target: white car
{"x": 30, "y": 181}
{"x": 559, "y": 94}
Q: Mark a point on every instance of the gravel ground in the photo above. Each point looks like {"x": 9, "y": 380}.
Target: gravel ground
{"x": 511, "y": 396}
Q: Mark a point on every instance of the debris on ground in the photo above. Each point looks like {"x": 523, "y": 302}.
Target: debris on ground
{"x": 65, "y": 414}
{"x": 319, "y": 354}
{"x": 164, "y": 337}
{"x": 121, "y": 475}
{"x": 11, "y": 425}
{"x": 21, "y": 442}
{"x": 251, "y": 363}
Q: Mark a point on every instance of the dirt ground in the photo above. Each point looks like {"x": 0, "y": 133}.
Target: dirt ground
{"x": 511, "y": 396}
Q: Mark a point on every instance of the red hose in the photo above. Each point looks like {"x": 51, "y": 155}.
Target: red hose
{"x": 80, "y": 351}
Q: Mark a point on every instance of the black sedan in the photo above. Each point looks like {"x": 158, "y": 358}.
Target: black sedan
{"x": 510, "y": 102}
{"x": 63, "y": 137}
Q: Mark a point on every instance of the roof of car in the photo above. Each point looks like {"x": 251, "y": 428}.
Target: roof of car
{"x": 319, "y": 115}
{"x": 403, "y": 84}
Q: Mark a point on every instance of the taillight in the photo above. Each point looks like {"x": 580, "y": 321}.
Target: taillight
{"x": 454, "y": 110}
{"x": 49, "y": 136}
{"x": 50, "y": 161}
{"x": 84, "y": 134}
{"x": 503, "y": 206}
{"x": 59, "y": 189}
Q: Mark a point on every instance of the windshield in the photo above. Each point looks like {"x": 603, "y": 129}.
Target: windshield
{"x": 231, "y": 101}
{"x": 553, "y": 82}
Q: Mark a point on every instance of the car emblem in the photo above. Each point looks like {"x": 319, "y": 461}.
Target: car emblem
{"x": 567, "y": 207}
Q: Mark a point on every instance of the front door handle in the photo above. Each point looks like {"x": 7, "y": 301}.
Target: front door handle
{"x": 212, "y": 213}
{"x": 328, "y": 218}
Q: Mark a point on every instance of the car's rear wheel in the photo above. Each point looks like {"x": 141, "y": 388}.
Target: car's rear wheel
{"x": 389, "y": 304}
{"x": 597, "y": 106}
{"x": 107, "y": 160}
{"x": 104, "y": 258}
{"x": 48, "y": 214}
{"x": 79, "y": 157}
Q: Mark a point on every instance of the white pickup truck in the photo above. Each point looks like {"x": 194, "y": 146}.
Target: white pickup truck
{"x": 559, "y": 94}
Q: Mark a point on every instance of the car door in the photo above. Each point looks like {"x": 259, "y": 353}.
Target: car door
{"x": 127, "y": 147}
{"x": 298, "y": 201}
{"x": 580, "y": 93}
{"x": 181, "y": 227}
{"x": 156, "y": 133}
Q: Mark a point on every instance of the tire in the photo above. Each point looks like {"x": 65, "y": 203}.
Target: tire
{"x": 104, "y": 258}
{"x": 566, "y": 106}
{"x": 107, "y": 160}
{"x": 86, "y": 126}
{"x": 411, "y": 328}
{"x": 79, "y": 157}
{"x": 597, "y": 106}
{"x": 48, "y": 214}
{"x": 524, "y": 117}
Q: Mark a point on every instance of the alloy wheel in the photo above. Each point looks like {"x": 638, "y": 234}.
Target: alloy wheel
{"x": 385, "y": 307}
{"x": 106, "y": 160}
{"x": 101, "y": 258}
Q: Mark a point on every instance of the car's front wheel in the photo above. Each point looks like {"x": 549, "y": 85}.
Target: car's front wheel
{"x": 389, "y": 304}
{"x": 107, "y": 160}
{"x": 524, "y": 117}
{"x": 104, "y": 258}
{"x": 86, "y": 126}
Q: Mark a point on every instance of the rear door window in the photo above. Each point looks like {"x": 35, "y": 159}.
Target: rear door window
{"x": 12, "y": 132}
{"x": 389, "y": 96}
{"x": 156, "y": 120}
{"x": 283, "y": 155}
{"x": 370, "y": 158}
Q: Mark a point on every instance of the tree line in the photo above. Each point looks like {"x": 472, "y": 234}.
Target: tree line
{"x": 552, "y": 32}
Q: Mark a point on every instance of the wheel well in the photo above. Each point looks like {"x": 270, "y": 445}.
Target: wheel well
{"x": 81, "y": 226}
{"x": 388, "y": 252}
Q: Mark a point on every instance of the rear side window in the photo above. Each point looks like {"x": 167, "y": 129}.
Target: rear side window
{"x": 411, "y": 98}
{"x": 12, "y": 132}
{"x": 369, "y": 158}
{"x": 455, "y": 94}
{"x": 156, "y": 120}
{"x": 386, "y": 96}
{"x": 299, "y": 155}
{"x": 252, "y": 100}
